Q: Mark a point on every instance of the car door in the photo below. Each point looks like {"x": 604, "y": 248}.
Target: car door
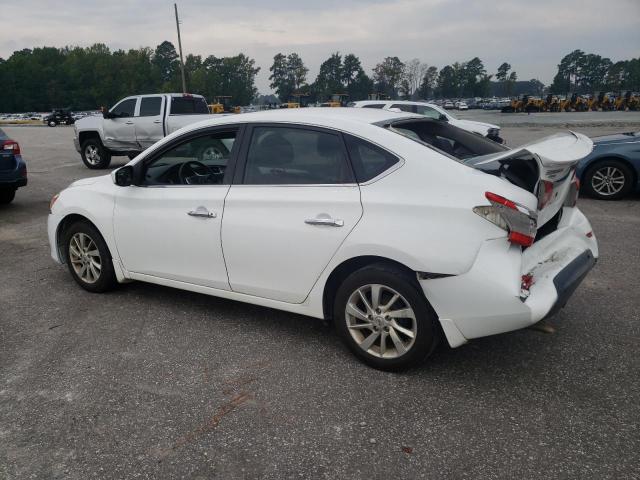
{"x": 293, "y": 203}
{"x": 119, "y": 131}
{"x": 148, "y": 123}
{"x": 168, "y": 226}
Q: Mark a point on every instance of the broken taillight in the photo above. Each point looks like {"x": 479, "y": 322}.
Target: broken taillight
{"x": 545, "y": 193}
{"x": 574, "y": 190}
{"x": 516, "y": 219}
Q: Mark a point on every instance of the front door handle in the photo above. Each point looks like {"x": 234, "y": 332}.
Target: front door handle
{"x": 129, "y": 123}
{"x": 157, "y": 121}
{"x": 202, "y": 212}
{"x": 330, "y": 222}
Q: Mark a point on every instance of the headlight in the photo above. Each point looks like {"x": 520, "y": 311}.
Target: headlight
{"x": 53, "y": 201}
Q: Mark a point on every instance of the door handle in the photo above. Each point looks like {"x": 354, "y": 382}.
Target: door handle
{"x": 157, "y": 121}
{"x": 129, "y": 123}
{"x": 330, "y": 222}
{"x": 202, "y": 212}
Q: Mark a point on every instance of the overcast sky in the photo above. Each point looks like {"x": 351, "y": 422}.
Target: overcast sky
{"x": 532, "y": 35}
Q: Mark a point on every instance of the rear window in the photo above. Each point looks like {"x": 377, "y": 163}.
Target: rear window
{"x": 374, "y": 105}
{"x": 188, "y": 105}
{"x": 405, "y": 107}
{"x": 368, "y": 160}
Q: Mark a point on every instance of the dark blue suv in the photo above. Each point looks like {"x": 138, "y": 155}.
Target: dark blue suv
{"x": 13, "y": 170}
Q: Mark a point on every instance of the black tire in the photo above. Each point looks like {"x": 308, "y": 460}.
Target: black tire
{"x": 94, "y": 155}
{"x": 106, "y": 279}
{"x": 7, "y": 195}
{"x": 618, "y": 170}
{"x": 427, "y": 332}
{"x": 52, "y": 123}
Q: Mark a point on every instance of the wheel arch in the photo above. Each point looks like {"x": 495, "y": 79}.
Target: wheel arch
{"x": 86, "y": 135}
{"x": 346, "y": 268}
{"x": 64, "y": 224}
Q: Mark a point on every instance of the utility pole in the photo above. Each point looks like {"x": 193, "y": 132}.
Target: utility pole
{"x": 184, "y": 83}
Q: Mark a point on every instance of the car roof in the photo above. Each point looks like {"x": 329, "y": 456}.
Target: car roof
{"x": 341, "y": 118}
{"x": 394, "y": 102}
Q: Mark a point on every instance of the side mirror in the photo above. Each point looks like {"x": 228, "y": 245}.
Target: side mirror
{"x": 107, "y": 114}
{"x": 443, "y": 117}
{"x": 123, "y": 177}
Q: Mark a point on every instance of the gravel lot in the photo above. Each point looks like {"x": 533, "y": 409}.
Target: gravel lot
{"x": 151, "y": 382}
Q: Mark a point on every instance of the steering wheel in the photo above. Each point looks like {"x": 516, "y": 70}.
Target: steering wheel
{"x": 197, "y": 176}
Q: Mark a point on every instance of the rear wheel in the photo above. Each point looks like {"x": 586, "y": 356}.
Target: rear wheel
{"x": 384, "y": 319}
{"x": 7, "y": 195}
{"x": 609, "y": 180}
{"x": 52, "y": 123}
{"x": 94, "y": 154}
{"x": 88, "y": 258}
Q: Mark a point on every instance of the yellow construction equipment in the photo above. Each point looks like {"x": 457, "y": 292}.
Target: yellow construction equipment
{"x": 290, "y": 105}
{"x": 221, "y": 104}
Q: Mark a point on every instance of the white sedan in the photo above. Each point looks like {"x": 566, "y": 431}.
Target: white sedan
{"x": 401, "y": 229}
{"x": 430, "y": 110}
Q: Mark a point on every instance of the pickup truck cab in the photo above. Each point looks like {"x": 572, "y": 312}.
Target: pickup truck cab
{"x": 134, "y": 124}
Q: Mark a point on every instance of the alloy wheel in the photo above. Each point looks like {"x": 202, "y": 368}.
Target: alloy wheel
{"x": 92, "y": 154}
{"x": 381, "y": 321}
{"x": 608, "y": 181}
{"x": 85, "y": 257}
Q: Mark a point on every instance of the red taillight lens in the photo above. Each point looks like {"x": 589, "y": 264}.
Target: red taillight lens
{"x": 518, "y": 220}
{"x": 10, "y": 145}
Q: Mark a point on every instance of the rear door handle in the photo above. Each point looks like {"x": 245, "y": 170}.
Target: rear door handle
{"x": 157, "y": 121}
{"x": 202, "y": 212}
{"x": 330, "y": 222}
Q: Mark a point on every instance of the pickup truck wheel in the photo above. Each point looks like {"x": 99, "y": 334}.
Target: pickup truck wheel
{"x": 7, "y": 195}
{"x": 94, "y": 155}
{"x": 52, "y": 123}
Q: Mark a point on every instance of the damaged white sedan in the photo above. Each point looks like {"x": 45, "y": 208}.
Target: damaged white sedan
{"x": 401, "y": 229}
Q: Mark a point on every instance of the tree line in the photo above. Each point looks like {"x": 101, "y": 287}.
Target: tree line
{"x": 84, "y": 78}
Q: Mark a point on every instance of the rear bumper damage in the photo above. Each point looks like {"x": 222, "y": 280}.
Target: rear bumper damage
{"x": 492, "y": 297}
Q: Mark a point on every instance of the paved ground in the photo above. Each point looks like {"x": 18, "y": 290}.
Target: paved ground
{"x": 571, "y": 119}
{"x": 150, "y": 382}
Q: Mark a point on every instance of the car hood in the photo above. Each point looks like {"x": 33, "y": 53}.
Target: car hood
{"x": 617, "y": 138}
{"x": 83, "y": 182}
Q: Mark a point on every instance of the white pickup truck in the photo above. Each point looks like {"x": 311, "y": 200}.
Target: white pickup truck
{"x": 134, "y": 124}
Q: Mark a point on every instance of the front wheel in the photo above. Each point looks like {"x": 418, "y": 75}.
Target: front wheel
{"x": 608, "y": 180}
{"x": 94, "y": 154}
{"x": 52, "y": 123}
{"x": 88, "y": 258}
{"x": 384, "y": 319}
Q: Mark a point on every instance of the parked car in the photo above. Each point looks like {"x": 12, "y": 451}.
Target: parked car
{"x": 13, "y": 169}
{"x": 431, "y": 110}
{"x": 134, "y": 124}
{"x": 448, "y": 104}
{"x": 612, "y": 170}
{"x": 463, "y": 106}
{"x": 59, "y": 116}
{"x": 352, "y": 215}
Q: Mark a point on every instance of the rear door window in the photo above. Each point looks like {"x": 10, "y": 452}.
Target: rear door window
{"x": 368, "y": 160}
{"x": 428, "y": 112}
{"x": 296, "y": 156}
{"x": 405, "y": 107}
{"x": 150, "y": 106}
